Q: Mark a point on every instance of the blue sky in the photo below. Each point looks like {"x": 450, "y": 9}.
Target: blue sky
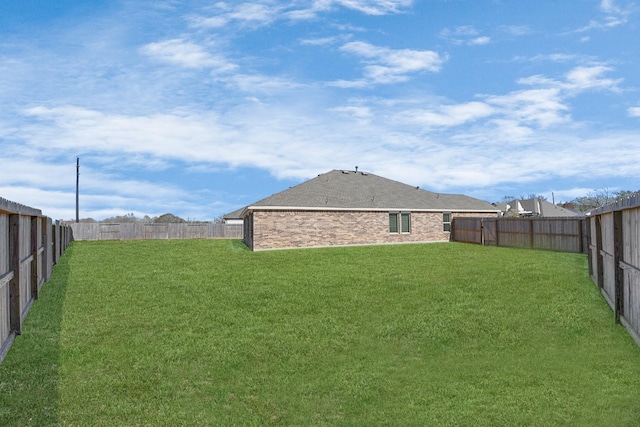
{"x": 201, "y": 107}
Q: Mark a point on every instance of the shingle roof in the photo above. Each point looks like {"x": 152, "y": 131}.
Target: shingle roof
{"x": 237, "y": 214}
{"x": 361, "y": 190}
{"x": 543, "y": 208}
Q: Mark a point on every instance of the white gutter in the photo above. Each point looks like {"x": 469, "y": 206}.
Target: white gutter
{"x": 334, "y": 209}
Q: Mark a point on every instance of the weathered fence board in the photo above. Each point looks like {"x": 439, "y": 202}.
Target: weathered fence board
{"x": 143, "y": 231}
{"x": 27, "y": 254}
{"x": 614, "y": 259}
{"x": 557, "y": 234}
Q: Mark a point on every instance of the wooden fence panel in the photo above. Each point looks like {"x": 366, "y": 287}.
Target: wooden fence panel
{"x": 490, "y": 231}
{"x": 558, "y": 234}
{"x": 467, "y": 230}
{"x": 614, "y": 259}
{"x": 163, "y": 231}
{"x": 5, "y": 277}
{"x": 595, "y": 249}
{"x": 25, "y": 265}
{"x": 607, "y": 253}
{"x": 29, "y": 246}
{"x": 630, "y": 263}
{"x": 513, "y": 232}
{"x": 153, "y": 231}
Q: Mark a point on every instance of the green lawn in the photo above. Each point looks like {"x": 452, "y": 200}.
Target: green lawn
{"x": 205, "y": 332}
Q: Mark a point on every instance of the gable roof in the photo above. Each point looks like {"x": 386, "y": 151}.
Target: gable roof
{"x": 349, "y": 190}
{"x": 237, "y": 214}
{"x": 539, "y": 207}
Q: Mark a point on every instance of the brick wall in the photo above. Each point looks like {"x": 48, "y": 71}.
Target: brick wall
{"x": 299, "y": 229}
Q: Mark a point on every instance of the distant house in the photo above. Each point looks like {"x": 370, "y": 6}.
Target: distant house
{"x": 534, "y": 208}
{"x": 234, "y": 217}
{"x": 342, "y": 208}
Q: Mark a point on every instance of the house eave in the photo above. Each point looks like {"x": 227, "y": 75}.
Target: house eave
{"x": 337, "y": 209}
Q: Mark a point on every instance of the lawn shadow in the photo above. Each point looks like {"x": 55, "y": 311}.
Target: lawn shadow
{"x": 29, "y": 374}
{"x": 236, "y": 245}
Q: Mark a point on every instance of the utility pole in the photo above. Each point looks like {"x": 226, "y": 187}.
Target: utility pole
{"x": 77, "y": 189}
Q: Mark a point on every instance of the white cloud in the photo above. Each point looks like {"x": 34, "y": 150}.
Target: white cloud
{"x": 186, "y": 54}
{"x": 79, "y": 129}
{"x": 385, "y": 66}
{"x": 541, "y": 107}
{"x": 362, "y": 114}
{"x": 375, "y": 7}
{"x": 614, "y": 17}
{"x": 578, "y": 79}
{"x": 449, "y": 115}
{"x": 480, "y": 41}
{"x": 261, "y": 84}
{"x": 465, "y": 34}
{"x": 368, "y": 7}
{"x": 258, "y": 13}
{"x": 584, "y": 78}
{"x": 245, "y": 14}
{"x": 553, "y": 57}
{"x": 322, "y": 41}
{"x": 609, "y": 6}
{"x": 634, "y": 111}
{"x": 516, "y": 30}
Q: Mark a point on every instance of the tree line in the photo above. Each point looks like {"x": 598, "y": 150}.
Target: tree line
{"x": 597, "y": 199}
{"x": 167, "y": 218}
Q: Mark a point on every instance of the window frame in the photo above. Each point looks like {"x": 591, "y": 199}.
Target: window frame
{"x": 396, "y": 218}
{"x": 400, "y": 222}
{"x": 447, "y": 218}
{"x": 407, "y": 216}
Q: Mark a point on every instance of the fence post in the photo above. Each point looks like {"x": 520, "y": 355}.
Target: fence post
{"x": 45, "y": 249}
{"x": 582, "y": 224}
{"x": 618, "y": 247}
{"x": 599, "y": 255}
{"x": 531, "y": 233}
{"x": 35, "y": 262}
{"x": 56, "y": 242}
{"x": 14, "y": 265}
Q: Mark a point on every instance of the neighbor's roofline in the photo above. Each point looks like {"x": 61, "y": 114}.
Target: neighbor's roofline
{"x": 390, "y": 209}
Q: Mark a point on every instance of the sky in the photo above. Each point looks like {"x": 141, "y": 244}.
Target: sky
{"x": 198, "y": 108}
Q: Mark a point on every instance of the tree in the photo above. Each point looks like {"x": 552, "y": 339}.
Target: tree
{"x": 625, "y": 193}
{"x": 128, "y": 218}
{"x": 532, "y": 196}
{"x": 597, "y": 198}
{"x": 168, "y": 218}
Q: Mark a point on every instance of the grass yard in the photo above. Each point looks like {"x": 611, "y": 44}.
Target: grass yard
{"x": 205, "y": 332}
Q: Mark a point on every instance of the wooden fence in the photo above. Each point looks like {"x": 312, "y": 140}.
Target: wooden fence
{"x": 144, "y": 231}
{"x": 30, "y": 244}
{"x": 556, "y": 234}
{"x": 614, "y": 259}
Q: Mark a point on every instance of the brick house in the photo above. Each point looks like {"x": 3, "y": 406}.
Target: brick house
{"x": 341, "y": 208}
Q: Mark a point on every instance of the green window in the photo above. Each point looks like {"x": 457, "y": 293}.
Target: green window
{"x": 399, "y": 222}
{"x": 393, "y": 223}
{"x": 406, "y": 222}
{"x": 446, "y": 221}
